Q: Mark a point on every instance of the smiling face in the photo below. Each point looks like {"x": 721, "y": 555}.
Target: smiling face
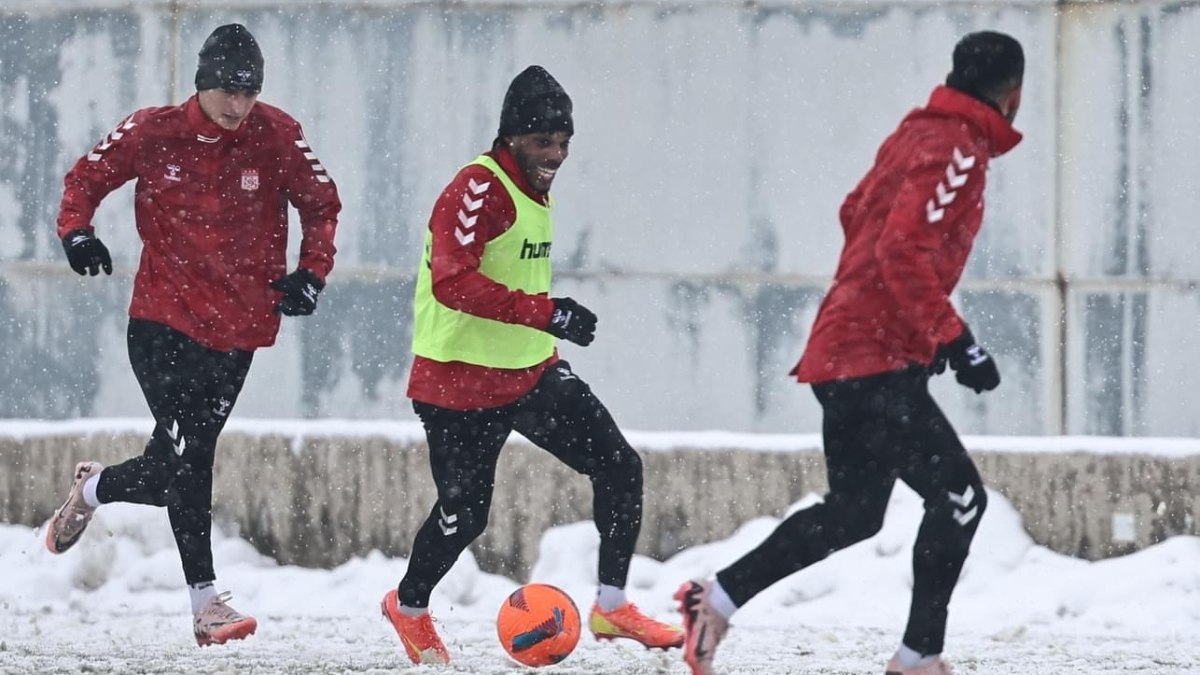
{"x": 540, "y": 155}
{"x": 226, "y": 107}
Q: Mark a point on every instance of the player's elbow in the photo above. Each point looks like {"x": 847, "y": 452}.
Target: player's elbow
{"x": 449, "y": 293}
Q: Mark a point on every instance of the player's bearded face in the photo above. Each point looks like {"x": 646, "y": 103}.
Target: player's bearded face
{"x": 540, "y": 155}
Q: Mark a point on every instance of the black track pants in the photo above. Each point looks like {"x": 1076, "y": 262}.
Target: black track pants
{"x": 191, "y": 389}
{"x": 561, "y": 416}
{"x": 877, "y": 429}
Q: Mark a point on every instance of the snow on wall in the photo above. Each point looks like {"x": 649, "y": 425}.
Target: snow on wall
{"x": 697, "y": 213}
{"x": 318, "y": 493}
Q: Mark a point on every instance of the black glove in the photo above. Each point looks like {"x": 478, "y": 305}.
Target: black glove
{"x": 300, "y": 290}
{"x": 973, "y": 366}
{"x": 572, "y": 321}
{"x": 86, "y": 253}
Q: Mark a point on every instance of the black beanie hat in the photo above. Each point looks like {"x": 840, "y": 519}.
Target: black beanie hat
{"x": 535, "y": 102}
{"x": 984, "y": 61}
{"x": 230, "y": 59}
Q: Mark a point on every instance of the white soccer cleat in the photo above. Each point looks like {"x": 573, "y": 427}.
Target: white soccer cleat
{"x": 703, "y": 625}
{"x": 71, "y": 519}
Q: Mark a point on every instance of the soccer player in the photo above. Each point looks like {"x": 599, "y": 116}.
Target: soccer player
{"x": 884, "y": 326}
{"x": 214, "y": 178}
{"x": 486, "y": 363}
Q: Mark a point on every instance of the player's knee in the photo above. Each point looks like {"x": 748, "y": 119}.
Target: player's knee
{"x": 863, "y": 515}
{"x": 627, "y": 472}
{"x": 467, "y": 523}
{"x": 981, "y": 499}
{"x": 864, "y": 525}
{"x": 621, "y": 465}
{"x": 186, "y": 477}
{"x": 964, "y": 507}
{"x": 474, "y": 527}
{"x": 633, "y": 467}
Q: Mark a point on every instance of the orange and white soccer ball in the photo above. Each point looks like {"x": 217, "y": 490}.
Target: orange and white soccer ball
{"x": 538, "y": 625}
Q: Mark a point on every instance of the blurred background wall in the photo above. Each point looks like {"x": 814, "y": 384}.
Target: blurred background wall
{"x": 697, "y": 212}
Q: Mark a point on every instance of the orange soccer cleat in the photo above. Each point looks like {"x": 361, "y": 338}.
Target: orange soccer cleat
{"x": 628, "y": 622}
{"x": 417, "y": 633}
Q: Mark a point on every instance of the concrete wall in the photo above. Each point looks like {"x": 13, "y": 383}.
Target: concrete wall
{"x": 318, "y": 499}
{"x": 697, "y": 211}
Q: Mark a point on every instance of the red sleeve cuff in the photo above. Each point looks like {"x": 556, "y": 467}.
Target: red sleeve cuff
{"x": 950, "y": 330}
{"x": 545, "y": 311}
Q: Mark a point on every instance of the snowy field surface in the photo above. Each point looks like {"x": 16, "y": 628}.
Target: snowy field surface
{"x": 115, "y": 605}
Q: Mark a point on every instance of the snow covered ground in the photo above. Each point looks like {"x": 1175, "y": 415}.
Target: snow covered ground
{"x": 115, "y": 605}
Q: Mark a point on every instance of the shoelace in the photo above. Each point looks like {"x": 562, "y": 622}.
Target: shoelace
{"x": 221, "y": 612}
{"x": 426, "y": 639}
{"x": 425, "y": 624}
{"x": 79, "y": 508}
{"x": 635, "y": 618}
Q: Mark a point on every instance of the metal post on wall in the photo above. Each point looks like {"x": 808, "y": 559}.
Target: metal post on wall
{"x": 1061, "y": 284}
{"x": 176, "y": 10}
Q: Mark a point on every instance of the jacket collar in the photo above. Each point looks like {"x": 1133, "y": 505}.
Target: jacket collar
{"x": 998, "y": 131}
{"x": 207, "y": 131}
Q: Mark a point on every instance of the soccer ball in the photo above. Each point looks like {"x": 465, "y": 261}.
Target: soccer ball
{"x": 538, "y": 625}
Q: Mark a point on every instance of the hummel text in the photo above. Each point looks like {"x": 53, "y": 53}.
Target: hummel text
{"x": 539, "y": 249}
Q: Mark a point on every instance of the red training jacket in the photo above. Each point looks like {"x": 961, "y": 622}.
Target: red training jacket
{"x": 211, "y": 210}
{"x": 909, "y": 227}
{"x": 458, "y": 284}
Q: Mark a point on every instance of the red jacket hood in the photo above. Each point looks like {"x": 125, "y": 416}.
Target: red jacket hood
{"x": 997, "y": 130}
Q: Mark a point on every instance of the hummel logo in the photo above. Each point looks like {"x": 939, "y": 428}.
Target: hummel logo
{"x": 466, "y": 215}
{"x": 964, "y": 163}
{"x": 965, "y": 498}
{"x": 112, "y": 137}
{"x": 180, "y": 443}
{"x": 535, "y": 249}
{"x": 472, "y": 204}
{"x": 932, "y": 214}
{"x": 955, "y": 180}
{"x": 944, "y": 197}
{"x": 478, "y": 188}
{"x": 562, "y": 317}
{"x": 956, "y": 177}
{"x": 963, "y": 515}
{"x": 313, "y": 163}
{"x": 447, "y": 522}
{"x": 976, "y": 354}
